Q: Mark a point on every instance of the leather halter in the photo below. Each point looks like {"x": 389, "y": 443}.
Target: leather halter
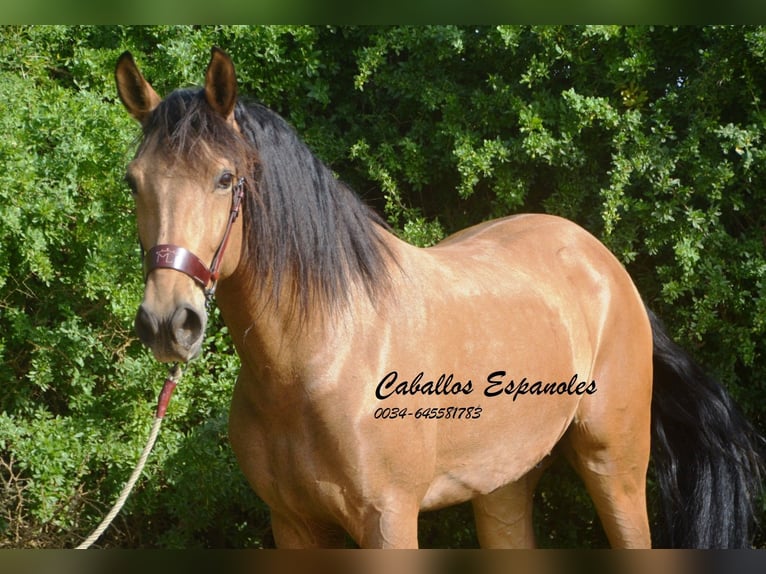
{"x": 168, "y": 256}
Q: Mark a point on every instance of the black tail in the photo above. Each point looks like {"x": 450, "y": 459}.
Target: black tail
{"x": 707, "y": 457}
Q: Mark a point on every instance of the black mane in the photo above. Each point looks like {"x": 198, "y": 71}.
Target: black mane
{"x": 308, "y": 236}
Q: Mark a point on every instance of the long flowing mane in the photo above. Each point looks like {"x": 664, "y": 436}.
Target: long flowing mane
{"x": 308, "y": 236}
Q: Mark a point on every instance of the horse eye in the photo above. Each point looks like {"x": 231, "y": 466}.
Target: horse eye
{"x": 225, "y": 181}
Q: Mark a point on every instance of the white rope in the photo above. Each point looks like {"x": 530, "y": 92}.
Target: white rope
{"x": 127, "y": 489}
{"x": 167, "y": 391}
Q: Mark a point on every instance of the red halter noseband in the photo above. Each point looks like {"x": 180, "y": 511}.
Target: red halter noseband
{"x": 166, "y": 256}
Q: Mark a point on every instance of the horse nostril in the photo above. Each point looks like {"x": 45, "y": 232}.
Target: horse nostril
{"x": 146, "y": 326}
{"x": 186, "y": 326}
{"x": 177, "y": 337}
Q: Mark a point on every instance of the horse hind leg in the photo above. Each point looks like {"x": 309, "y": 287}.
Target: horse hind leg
{"x": 504, "y": 517}
{"x": 611, "y": 456}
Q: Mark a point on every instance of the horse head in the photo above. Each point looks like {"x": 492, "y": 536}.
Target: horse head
{"x": 187, "y": 178}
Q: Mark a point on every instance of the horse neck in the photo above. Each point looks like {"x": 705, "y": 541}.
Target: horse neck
{"x": 259, "y": 329}
{"x": 272, "y": 339}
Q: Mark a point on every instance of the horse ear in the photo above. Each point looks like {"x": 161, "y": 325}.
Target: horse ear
{"x": 136, "y": 94}
{"x": 221, "y": 84}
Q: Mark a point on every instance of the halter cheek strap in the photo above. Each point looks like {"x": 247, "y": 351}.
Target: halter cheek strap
{"x": 168, "y": 256}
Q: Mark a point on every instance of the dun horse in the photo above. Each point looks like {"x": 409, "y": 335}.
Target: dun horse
{"x": 379, "y": 380}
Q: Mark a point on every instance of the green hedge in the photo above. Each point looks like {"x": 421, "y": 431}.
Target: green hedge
{"x": 650, "y": 137}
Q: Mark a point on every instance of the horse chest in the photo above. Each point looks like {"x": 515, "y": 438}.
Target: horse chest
{"x": 293, "y": 459}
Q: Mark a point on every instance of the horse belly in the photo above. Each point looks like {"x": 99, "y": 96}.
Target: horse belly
{"x": 510, "y": 438}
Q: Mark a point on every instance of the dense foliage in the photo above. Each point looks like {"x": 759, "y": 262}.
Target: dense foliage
{"x": 653, "y": 138}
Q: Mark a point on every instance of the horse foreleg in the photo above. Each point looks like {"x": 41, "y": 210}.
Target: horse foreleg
{"x": 391, "y": 525}
{"x": 298, "y": 532}
{"x": 504, "y": 517}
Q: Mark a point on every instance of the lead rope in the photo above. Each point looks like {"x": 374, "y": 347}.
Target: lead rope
{"x": 173, "y": 378}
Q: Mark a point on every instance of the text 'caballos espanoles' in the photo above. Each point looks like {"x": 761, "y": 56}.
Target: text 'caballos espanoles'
{"x": 496, "y": 384}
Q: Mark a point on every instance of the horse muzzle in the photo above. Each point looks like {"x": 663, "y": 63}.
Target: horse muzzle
{"x": 177, "y": 336}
